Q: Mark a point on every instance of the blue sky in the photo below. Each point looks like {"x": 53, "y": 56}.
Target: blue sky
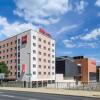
{"x": 74, "y": 24}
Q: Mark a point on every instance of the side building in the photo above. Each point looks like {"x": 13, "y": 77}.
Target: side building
{"x": 33, "y": 56}
{"x": 87, "y": 69}
{"x": 66, "y": 65}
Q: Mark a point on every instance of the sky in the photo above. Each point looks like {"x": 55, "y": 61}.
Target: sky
{"x": 74, "y": 24}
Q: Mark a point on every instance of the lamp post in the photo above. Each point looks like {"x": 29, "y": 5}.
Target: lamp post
{"x": 29, "y": 71}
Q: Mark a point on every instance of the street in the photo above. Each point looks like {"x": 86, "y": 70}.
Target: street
{"x": 14, "y": 95}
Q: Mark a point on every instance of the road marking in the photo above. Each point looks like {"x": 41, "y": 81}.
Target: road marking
{"x": 8, "y": 96}
{"x": 1, "y": 92}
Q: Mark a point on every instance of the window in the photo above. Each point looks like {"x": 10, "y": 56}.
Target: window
{"x": 53, "y": 62}
{"x": 48, "y": 49}
{"x": 18, "y": 74}
{"x": 11, "y": 49}
{"x": 52, "y": 67}
{"x": 34, "y": 44}
{"x": 11, "y": 61}
{"x": 3, "y": 57}
{"x": 18, "y": 41}
{"x": 39, "y": 39}
{"x": 34, "y": 58}
{"x": 44, "y": 54}
{"x": 39, "y": 53}
{"x": 34, "y": 65}
{"x": 7, "y": 44}
{"x": 48, "y": 55}
{"x": 18, "y": 54}
{"x": 53, "y": 56}
{"x": 52, "y": 50}
{"x": 34, "y": 37}
{"x": 11, "y": 55}
{"x": 3, "y": 51}
{"x": 0, "y": 51}
{"x": 18, "y": 47}
{"x": 44, "y": 66}
{"x": 18, "y": 67}
{"x": 44, "y": 48}
{"x": 39, "y": 73}
{"x": 44, "y": 73}
{"x": 39, "y": 46}
{"x": 39, "y": 59}
{"x": 7, "y": 62}
{"x": 39, "y": 66}
{"x": 34, "y": 51}
{"x": 44, "y": 60}
{"x": 44, "y": 41}
{"x": 48, "y": 67}
{"x": 49, "y": 43}
{"x": 52, "y": 73}
{"x": 11, "y": 43}
{"x": 53, "y": 45}
{"x": 0, "y": 47}
{"x": 18, "y": 61}
{"x": 48, "y": 73}
{"x": 7, "y": 50}
{"x": 48, "y": 61}
{"x": 15, "y": 67}
{"x": 34, "y": 73}
{"x": 10, "y": 73}
{"x": 10, "y": 67}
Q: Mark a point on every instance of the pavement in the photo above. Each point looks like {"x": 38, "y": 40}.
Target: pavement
{"x": 20, "y": 95}
{"x": 80, "y": 93}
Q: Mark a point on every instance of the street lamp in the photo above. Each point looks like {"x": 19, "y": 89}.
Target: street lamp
{"x": 29, "y": 71}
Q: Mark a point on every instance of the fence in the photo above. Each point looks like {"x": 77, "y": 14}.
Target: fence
{"x": 23, "y": 84}
{"x": 92, "y": 86}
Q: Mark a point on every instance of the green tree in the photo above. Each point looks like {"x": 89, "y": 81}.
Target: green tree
{"x": 4, "y": 68}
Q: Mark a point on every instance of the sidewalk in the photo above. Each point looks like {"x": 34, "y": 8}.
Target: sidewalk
{"x": 56, "y": 91}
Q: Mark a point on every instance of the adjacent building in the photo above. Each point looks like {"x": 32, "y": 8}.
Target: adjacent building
{"x": 65, "y": 65}
{"x": 79, "y": 68}
{"x": 30, "y": 56}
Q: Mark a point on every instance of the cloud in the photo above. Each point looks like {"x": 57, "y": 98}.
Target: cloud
{"x": 75, "y": 44}
{"x": 69, "y": 44}
{"x": 97, "y": 3}
{"x": 8, "y": 29}
{"x": 92, "y": 35}
{"x": 80, "y": 6}
{"x": 66, "y": 28}
{"x": 42, "y": 12}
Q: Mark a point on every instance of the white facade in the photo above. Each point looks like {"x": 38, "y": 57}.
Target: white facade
{"x": 32, "y": 57}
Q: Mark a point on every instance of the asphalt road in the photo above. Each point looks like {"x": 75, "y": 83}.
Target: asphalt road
{"x": 13, "y": 95}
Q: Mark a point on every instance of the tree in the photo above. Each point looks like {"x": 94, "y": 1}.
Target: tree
{"x": 4, "y": 68}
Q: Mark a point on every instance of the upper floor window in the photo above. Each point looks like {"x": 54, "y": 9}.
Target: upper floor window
{"x": 44, "y": 41}
{"x": 34, "y": 58}
{"x": 39, "y": 39}
{"x": 34, "y": 51}
{"x": 39, "y": 46}
{"x": 49, "y": 43}
{"x": 34, "y": 44}
{"x": 18, "y": 41}
{"x": 34, "y": 37}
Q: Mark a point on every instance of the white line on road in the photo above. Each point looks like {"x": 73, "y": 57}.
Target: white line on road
{"x": 8, "y": 96}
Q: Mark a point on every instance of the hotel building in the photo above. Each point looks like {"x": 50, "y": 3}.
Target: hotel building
{"x": 30, "y": 56}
